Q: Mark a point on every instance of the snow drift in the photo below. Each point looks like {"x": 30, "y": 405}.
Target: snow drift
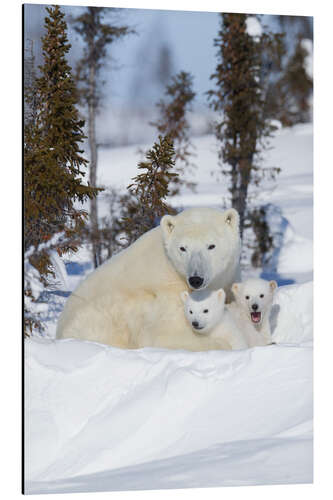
{"x": 103, "y": 419}
{"x": 100, "y": 418}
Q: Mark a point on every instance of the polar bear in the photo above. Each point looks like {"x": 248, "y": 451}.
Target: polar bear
{"x": 252, "y": 309}
{"x": 134, "y": 297}
{"x": 206, "y": 313}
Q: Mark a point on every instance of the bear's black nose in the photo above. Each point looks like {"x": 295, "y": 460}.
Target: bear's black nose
{"x": 195, "y": 324}
{"x": 195, "y": 281}
{"x": 254, "y": 307}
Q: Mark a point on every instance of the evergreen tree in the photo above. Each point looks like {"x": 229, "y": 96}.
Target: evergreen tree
{"x": 121, "y": 227}
{"x": 138, "y": 210}
{"x": 30, "y": 94}
{"x": 295, "y": 87}
{"x": 150, "y": 189}
{"x": 53, "y": 161}
{"x": 290, "y": 92}
{"x": 295, "y": 28}
{"x": 97, "y": 35}
{"x": 163, "y": 67}
{"x": 173, "y": 122}
{"x": 263, "y": 239}
{"x": 239, "y": 97}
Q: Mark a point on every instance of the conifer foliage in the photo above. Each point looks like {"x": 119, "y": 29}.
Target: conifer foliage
{"x": 112, "y": 229}
{"x": 173, "y": 122}
{"x": 239, "y": 98}
{"x": 295, "y": 87}
{"x": 96, "y": 35}
{"x": 30, "y": 97}
{"x": 53, "y": 161}
{"x": 263, "y": 241}
{"x": 150, "y": 189}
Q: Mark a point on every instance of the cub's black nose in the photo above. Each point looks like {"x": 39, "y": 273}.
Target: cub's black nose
{"x": 195, "y": 324}
{"x": 195, "y": 281}
{"x": 254, "y": 307}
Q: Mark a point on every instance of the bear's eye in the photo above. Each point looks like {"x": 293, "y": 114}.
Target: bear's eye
{"x": 191, "y": 312}
{"x": 261, "y": 295}
{"x": 211, "y": 247}
{"x": 247, "y": 297}
{"x": 182, "y": 249}
{"x": 205, "y": 310}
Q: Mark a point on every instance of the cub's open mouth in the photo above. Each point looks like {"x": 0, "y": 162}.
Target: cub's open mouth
{"x": 198, "y": 327}
{"x": 256, "y": 317}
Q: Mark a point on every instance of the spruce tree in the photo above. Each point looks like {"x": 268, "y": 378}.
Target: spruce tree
{"x": 97, "y": 35}
{"x": 150, "y": 189}
{"x": 122, "y": 225}
{"x": 112, "y": 235}
{"x": 295, "y": 28}
{"x": 30, "y": 93}
{"x": 173, "y": 122}
{"x": 263, "y": 239}
{"x": 290, "y": 91}
{"x": 53, "y": 162}
{"x": 239, "y": 98}
{"x": 295, "y": 87}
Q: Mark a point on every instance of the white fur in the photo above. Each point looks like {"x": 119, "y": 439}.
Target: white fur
{"x": 203, "y": 243}
{"x": 206, "y": 313}
{"x": 253, "y": 292}
{"x": 133, "y": 299}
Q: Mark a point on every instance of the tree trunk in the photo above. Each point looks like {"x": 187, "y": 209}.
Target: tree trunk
{"x": 239, "y": 192}
{"x": 240, "y": 178}
{"x": 93, "y": 165}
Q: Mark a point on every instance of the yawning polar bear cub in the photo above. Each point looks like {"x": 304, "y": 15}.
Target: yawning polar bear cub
{"x": 252, "y": 308}
{"x": 206, "y": 313}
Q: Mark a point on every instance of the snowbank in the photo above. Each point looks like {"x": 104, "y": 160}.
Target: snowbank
{"x": 293, "y": 314}
{"x": 100, "y": 418}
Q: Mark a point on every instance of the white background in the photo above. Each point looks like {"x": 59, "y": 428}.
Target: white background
{"x": 11, "y": 208}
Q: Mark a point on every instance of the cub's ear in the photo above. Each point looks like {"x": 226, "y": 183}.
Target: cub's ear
{"x": 184, "y": 296}
{"x": 221, "y": 295}
{"x": 235, "y": 288}
{"x": 167, "y": 224}
{"x": 231, "y": 217}
{"x": 273, "y": 285}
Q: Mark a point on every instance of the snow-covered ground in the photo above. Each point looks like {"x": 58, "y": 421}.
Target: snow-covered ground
{"x": 101, "y": 418}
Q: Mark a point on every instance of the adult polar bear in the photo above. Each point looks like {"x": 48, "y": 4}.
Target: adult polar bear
{"x": 133, "y": 299}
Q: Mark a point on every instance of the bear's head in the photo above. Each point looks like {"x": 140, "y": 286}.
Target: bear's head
{"x": 204, "y": 309}
{"x": 255, "y": 298}
{"x": 201, "y": 243}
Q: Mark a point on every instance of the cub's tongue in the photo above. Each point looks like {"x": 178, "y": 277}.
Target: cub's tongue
{"x": 256, "y": 317}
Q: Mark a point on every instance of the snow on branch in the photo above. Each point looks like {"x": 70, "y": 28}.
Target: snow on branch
{"x": 253, "y": 27}
{"x": 307, "y": 45}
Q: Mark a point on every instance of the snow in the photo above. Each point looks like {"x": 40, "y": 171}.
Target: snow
{"x": 293, "y": 307}
{"x": 59, "y": 269}
{"x": 101, "y": 419}
{"x": 307, "y": 45}
{"x": 253, "y": 27}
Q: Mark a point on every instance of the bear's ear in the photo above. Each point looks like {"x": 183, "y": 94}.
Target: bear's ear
{"x": 235, "y": 288}
{"x": 231, "y": 218}
{"x": 167, "y": 224}
{"x": 273, "y": 285}
{"x": 221, "y": 295}
{"x": 184, "y": 296}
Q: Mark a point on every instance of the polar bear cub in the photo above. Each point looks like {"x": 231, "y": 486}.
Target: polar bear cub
{"x": 206, "y": 313}
{"x": 252, "y": 308}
